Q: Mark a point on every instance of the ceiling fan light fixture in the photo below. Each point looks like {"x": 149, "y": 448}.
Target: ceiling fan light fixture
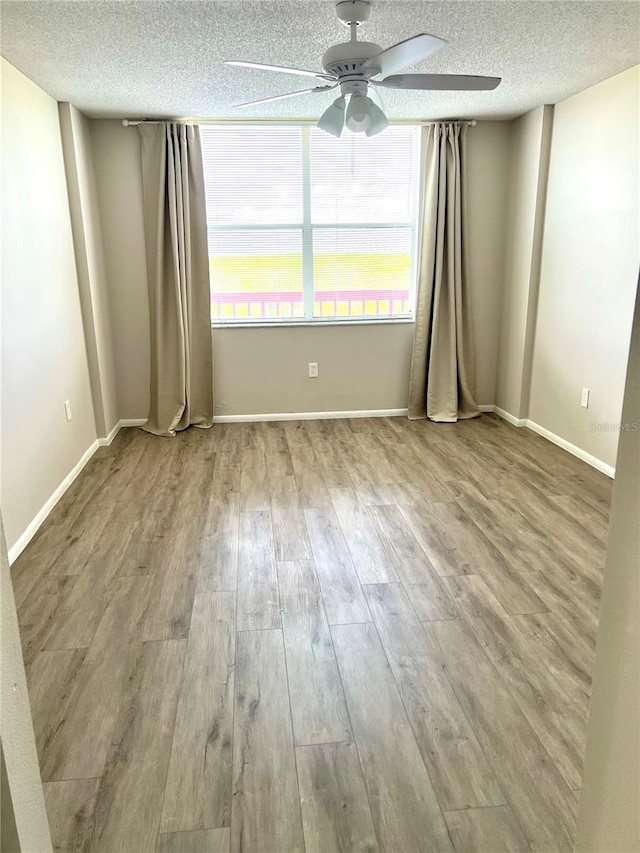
{"x": 379, "y": 121}
{"x": 358, "y": 113}
{"x": 332, "y": 119}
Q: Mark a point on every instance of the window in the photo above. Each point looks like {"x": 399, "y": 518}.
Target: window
{"x": 303, "y": 226}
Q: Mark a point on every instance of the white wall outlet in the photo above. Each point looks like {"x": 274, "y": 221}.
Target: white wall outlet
{"x": 584, "y": 402}
{"x": 313, "y": 370}
{"x": 67, "y": 410}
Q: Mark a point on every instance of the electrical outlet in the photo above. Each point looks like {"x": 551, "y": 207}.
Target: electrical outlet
{"x": 67, "y": 410}
{"x": 313, "y": 370}
{"x": 584, "y": 402}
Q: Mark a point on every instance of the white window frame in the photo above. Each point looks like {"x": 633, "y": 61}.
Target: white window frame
{"x": 306, "y": 227}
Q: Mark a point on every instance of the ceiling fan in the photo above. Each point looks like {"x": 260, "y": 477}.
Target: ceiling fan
{"x": 355, "y": 65}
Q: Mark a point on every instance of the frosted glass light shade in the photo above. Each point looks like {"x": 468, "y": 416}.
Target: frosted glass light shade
{"x": 358, "y": 118}
{"x": 378, "y": 120}
{"x": 332, "y": 119}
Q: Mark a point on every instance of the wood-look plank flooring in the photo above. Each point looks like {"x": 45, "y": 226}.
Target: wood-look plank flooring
{"x": 360, "y": 635}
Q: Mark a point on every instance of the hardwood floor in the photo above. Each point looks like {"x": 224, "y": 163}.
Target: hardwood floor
{"x": 365, "y": 635}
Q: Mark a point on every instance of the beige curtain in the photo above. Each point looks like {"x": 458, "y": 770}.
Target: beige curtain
{"x": 442, "y": 379}
{"x": 178, "y": 276}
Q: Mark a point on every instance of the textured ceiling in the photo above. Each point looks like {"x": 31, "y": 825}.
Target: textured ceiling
{"x": 163, "y": 57}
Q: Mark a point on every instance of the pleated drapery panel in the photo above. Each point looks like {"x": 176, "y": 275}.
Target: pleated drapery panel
{"x": 442, "y": 382}
{"x": 178, "y": 278}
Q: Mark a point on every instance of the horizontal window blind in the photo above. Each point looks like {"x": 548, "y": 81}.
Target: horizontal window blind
{"x": 253, "y": 175}
{"x": 357, "y": 180}
{"x": 306, "y": 226}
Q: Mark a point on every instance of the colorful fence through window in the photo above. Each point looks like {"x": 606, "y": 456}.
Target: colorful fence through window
{"x": 278, "y": 305}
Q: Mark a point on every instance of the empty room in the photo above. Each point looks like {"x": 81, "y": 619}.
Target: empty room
{"x": 320, "y": 426}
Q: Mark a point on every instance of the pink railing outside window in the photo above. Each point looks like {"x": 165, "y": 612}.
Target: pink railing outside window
{"x": 274, "y": 305}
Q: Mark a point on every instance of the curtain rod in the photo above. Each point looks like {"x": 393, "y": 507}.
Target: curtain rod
{"x": 127, "y": 122}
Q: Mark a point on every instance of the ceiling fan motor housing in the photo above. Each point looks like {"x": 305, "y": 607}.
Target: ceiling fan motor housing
{"x": 346, "y": 60}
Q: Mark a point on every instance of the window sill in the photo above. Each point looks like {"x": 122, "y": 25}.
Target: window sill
{"x": 315, "y": 324}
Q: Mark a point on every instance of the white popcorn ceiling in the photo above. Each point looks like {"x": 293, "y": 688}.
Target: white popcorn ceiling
{"x": 163, "y": 58}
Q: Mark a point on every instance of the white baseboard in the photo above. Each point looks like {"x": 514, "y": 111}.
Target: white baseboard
{"x": 105, "y": 442}
{"x": 126, "y": 422}
{"x": 32, "y": 528}
{"x": 609, "y": 470}
{"x": 308, "y": 416}
{"x": 507, "y": 416}
{"x": 573, "y": 449}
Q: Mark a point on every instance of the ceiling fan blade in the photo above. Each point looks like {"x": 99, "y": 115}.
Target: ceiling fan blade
{"x": 281, "y": 69}
{"x": 288, "y": 95}
{"x": 440, "y": 82}
{"x": 404, "y": 54}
